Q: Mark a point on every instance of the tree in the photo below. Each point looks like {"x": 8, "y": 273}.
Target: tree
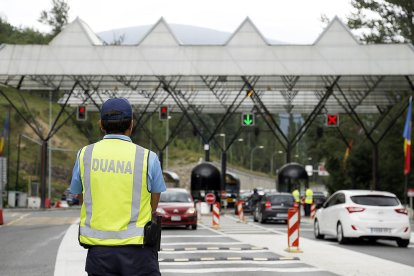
{"x": 13, "y": 35}
{"x": 57, "y": 17}
{"x": 383, "y": 21}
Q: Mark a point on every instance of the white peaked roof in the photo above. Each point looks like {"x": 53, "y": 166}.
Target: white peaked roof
{"x": 283, "y": 73}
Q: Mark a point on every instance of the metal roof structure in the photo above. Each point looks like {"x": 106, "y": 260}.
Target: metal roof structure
{"x": 335, "y": 74}
{"x": 287, "y": 78}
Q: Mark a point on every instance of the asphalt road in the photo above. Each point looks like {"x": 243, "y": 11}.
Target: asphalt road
{"x": 212, "y": 252}
{"x": 29, "y": 240}
{"x": 387, "y": 250}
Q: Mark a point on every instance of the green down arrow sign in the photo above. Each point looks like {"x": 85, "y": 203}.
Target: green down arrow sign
{"x": 247, "y": 119}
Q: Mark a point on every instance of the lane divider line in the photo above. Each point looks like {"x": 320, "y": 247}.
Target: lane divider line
{"x": 279, "y": 260}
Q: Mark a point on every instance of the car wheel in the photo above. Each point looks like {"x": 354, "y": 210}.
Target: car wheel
{"x": 403, "y": 243}
{"x": 194, "y": 226}
{"x": 340, "y": 234}
{"x": 316, "y": 231}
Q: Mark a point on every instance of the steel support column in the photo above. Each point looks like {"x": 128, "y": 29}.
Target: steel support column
{"x": 43, "y": 172}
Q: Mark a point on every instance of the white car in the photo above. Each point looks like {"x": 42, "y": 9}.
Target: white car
{"x": 363, "y": 214}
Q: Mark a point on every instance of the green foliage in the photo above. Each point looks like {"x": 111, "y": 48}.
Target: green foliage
{"x": 13, "y": 35}
{"x": 386, "y": 21}
{"x": 57, "y": 17}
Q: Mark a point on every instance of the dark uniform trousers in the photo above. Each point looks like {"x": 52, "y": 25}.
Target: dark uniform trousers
{"x": 122, "y": 261}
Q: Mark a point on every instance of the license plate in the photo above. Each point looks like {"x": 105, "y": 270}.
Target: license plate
{"x": 381, "y": 230}
{"x": 281, "y": 215}
{"x": 175, "y": 218}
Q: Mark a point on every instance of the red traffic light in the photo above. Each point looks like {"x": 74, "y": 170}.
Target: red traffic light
{"x": 163, "y": 113}
{"x": 81, "y": 114}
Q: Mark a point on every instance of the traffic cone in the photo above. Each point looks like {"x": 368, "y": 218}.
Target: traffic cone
{"x": 1, "y": 216}
{"x": 57, "y": 204}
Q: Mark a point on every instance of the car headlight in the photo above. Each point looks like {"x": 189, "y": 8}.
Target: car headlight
{"x": 191, "y": 210}
{"x": 160, "y": 211}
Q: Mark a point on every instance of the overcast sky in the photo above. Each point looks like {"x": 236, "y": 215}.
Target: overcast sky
{"x": 295, "y": 21}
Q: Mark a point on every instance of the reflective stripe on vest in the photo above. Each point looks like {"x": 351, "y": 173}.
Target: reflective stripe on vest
{"x": 133, "y": 231}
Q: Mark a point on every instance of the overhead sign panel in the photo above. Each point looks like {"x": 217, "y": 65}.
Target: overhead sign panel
{"x": 248, "y": 119}
{"x": 332, "y": 120}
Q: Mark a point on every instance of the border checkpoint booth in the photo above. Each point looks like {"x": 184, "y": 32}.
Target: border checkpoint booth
{"x": 292, "y": 174}
{"x": 172, "y": 180}
{"x": 205, "y": 178}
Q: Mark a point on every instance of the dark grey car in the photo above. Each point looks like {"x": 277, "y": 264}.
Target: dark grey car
{"x": 273, "y": 207}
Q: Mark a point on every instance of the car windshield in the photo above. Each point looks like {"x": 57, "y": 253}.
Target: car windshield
{"x": 279, "y": 199}
{"x": 175, "y": 196}
{"x": 375, "y": 200}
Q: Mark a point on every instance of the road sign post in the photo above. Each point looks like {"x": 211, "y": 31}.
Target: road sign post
{"x": 210, "y": 198}
{"x": 247, "y": 119}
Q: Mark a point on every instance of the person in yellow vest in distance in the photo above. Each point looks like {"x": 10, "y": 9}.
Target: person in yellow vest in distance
{"x": 296, "y": 196}
{"x": 308, "y": 201}
{"x": 121, "y": 184}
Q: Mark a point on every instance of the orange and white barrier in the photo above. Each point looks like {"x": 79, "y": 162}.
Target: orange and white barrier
{"x": 198, "y": 208}
{"x": 312, "y": 210}
{"x": 216, "y": 215}
{"x": 240, "y": 211}
{"x": 293, "y": 230}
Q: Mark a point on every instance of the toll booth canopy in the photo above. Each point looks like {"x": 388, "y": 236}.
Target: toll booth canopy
{"x": 172, "y": 180}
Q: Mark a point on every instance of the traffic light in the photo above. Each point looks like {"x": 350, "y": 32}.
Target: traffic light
{"x": 247, "y": 119}
{"x": 332, "y": 120}
{"x": 81, "y": 114}
{"x": 163, "y": 113}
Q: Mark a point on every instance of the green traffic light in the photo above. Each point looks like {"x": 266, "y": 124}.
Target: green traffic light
{"x": 248, "y": 119}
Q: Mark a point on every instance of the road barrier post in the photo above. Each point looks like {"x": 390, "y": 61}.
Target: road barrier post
{"x": 293, "y": 230}
{"x": 198, "y": 208}
{"x": 313, "y": 210}
{"x": 240, "y": 211}
{"x": 216, "y": 215}
{"x": 1, "y": 215}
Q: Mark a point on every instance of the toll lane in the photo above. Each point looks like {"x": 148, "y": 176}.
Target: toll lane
{"x": 210, "y": 251}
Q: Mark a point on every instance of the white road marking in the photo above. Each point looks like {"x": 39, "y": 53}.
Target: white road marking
{"x": 17, "y": 220}
{"x": 190, "y": 236}
{"x": 241, "y": 269}
{"x": 199, "y": 243}
{"x": 210, "y": 261}
{"x": 213, "y": 251}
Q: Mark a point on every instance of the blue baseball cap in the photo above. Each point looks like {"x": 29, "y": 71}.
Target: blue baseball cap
{"x": 116, "y": 109}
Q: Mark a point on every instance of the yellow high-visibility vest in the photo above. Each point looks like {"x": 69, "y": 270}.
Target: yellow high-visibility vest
{"x": 116, "y": 201}
{"x": 308, "y": 196}
{"x": 296, "y": 195}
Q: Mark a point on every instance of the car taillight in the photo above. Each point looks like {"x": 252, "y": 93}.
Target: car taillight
{"x": 268, "y": 205}
{"x": 355, "y": 209}
{"x": 402, "y": 211}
